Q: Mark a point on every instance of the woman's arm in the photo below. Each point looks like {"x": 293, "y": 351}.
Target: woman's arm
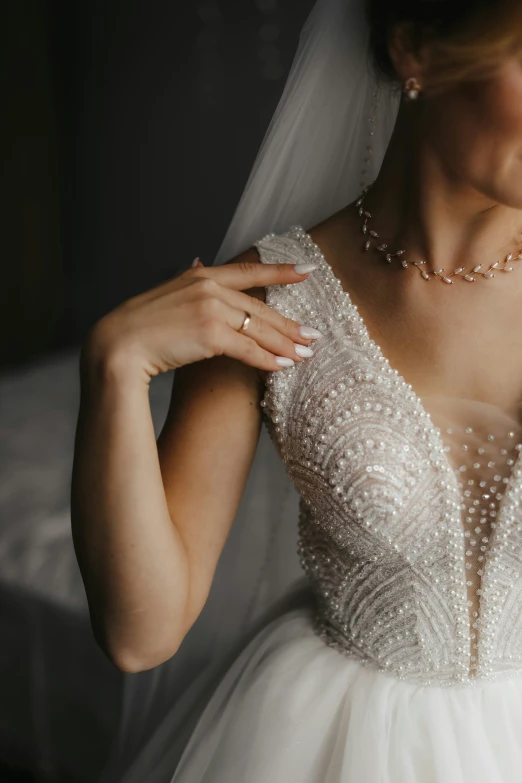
{"x": 150, "y": 519}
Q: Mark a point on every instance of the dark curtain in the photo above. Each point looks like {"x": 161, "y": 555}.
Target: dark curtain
{"x": 131, "y": 129}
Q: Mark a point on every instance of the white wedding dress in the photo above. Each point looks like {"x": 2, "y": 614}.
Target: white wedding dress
{"x": 407, "y": 668}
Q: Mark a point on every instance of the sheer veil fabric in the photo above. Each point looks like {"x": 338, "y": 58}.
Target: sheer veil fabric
{"x": 308, "y": 167}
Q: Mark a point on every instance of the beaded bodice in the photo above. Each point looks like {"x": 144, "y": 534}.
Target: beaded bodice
{"x": 410, "y": 517}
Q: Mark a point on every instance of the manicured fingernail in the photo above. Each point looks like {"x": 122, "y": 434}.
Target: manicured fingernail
{"x": 303, "y": 269}
{"x": 309, "y": 333}
{"x": 196, "y": 263}
{"x": 303, "y": 351}
{"x": 282, "y": 361}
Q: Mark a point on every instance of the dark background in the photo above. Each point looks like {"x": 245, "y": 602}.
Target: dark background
{"x": 129, "y": 130}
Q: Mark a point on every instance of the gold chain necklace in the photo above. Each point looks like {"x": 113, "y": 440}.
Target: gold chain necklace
{"x": 470, "y": 277}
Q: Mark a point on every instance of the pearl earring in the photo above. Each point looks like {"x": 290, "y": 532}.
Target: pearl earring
{"x": 412, "y": 89}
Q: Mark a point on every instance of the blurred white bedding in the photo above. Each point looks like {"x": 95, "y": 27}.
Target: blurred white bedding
{"x": 38, "y": 408}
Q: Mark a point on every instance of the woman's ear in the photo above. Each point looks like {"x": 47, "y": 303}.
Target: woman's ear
{"x": 409, "y": 57}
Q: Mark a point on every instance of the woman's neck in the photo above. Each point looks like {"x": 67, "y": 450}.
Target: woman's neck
{"x": 433, "y": 214}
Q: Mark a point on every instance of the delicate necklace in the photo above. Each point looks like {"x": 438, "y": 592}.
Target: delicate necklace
{"x": 470, "y": 277}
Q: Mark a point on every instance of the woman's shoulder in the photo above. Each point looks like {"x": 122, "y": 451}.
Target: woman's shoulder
{"x": 283, "y": 246}
{"x": 333, "y": 235}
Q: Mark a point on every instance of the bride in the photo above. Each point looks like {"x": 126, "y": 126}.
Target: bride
{"x": 374, "y": 323}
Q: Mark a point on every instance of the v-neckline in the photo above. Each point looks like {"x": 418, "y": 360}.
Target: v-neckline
{"x": 407, "y": 388}
{"x": 344, "y": 298}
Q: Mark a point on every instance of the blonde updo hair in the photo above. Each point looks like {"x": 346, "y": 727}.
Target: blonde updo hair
{"x": 470, "y": 39}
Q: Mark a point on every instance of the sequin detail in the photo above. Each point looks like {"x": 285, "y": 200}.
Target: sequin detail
{"x": 384, "y": 534}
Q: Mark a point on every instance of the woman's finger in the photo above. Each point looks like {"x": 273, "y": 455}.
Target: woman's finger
{"x": 240, "y": 346}
{"x": 258, "y": 330}
{"x": 245, "y": 275}
{"x": 295, "y": 331}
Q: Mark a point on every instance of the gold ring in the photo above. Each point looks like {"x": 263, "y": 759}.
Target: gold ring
{"x": 246, "y": 322}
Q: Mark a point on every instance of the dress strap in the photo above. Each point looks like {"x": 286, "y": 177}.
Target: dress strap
{"x": 309, "y": 302}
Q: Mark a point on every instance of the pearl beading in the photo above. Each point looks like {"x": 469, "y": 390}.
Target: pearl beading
{"x": 381, "y": 532}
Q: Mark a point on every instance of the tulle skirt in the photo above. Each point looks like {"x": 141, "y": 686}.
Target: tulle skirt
{"x": 293, "y": 710}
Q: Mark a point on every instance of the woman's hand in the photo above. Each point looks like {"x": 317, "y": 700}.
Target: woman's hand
{"x": 197, "y": 315}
